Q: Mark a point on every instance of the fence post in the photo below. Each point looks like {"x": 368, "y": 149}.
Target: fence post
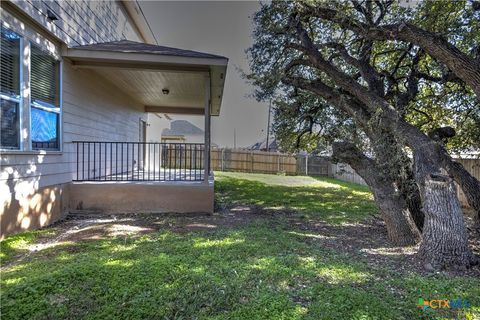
{"x": 251, "y": 158}
{"x": 223, "y": 164}
{"x": 306, "y": 164}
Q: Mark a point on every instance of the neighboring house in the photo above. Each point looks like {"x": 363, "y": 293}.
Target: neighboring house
{"x": 78, "y": 79}
{"x": 182, "y": 131}
{"x": 262, "y": 145}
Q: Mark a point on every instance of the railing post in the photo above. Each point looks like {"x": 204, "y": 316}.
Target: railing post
{"x": 78, "y": 169}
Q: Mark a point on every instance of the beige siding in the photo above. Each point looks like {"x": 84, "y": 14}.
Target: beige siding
{"x": 82, "y": 22}
{"x": 93, "y": 110}
{"x": 33, "y": 185}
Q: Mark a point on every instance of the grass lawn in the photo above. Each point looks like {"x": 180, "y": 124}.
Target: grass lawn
{"x": 282, "y": 248}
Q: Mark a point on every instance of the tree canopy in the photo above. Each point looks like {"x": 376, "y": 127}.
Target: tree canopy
{"x": 375, "y": 79}
{"x": 423, "y": 89}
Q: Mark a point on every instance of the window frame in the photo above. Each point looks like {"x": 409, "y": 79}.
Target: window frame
{"x": 19, "y": 99}
{"x": 34, "y": 104}
{"x": 24, "y": 100}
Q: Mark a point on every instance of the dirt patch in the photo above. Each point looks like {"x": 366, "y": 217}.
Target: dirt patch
{"x": 95, "y": 226}
{"x": 369, "y": 242}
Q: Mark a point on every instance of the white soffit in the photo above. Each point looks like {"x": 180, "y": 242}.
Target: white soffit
{"x": 144, "y": 70}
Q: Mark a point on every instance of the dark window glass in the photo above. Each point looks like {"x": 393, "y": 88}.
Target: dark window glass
{"x": 9, "y": 119}
{"x": 9, "y": 89}
{"x": 10, "y": 63}
{"x": 45, "y": 125}
{"x": 44, "y": 77}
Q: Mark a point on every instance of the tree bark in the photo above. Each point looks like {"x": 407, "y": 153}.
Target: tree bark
{"x": 401, "y": 229}
{"x": 394, "y": 162}
{"x": 409, "y": 189}
{"x": 417, "y": 140}
{"x": 444, "y": 239}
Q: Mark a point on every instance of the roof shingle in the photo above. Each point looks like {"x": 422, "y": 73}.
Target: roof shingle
{"x": 128, "y": 46}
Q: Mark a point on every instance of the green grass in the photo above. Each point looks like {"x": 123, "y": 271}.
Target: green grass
{"x": 323, "y": 199}
{"x": 19, "y": 244}
{"x": 264, "y": 269}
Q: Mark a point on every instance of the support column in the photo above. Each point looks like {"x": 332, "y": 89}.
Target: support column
{"x": 206, "y": 157}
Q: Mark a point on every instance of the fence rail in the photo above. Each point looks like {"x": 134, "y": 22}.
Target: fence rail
{"x": 138, "y": 161}
{"x": 253, "y": 161}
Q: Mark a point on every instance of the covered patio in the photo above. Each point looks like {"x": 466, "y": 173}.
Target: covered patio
{"x": 162, "y": 80}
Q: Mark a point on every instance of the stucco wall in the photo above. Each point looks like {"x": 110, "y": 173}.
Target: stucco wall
{"x": 130, "y": 197}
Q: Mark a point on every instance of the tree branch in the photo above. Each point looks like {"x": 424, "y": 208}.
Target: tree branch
{"x": 464, "y": 66}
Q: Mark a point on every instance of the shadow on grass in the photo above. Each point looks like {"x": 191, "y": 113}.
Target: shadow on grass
{"x": 18, "y": 244}
{"x": 257, "y": 271}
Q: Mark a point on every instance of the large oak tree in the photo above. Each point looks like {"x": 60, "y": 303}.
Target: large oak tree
{"x": 343, "y": 53}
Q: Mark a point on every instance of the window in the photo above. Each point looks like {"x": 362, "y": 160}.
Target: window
{"x": 45, "y": 100}
{"x": 41, "y": 124}
{"x": 9, "y": 90}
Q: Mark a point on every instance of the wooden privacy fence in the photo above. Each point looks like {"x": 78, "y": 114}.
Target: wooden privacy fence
{"x": 311, "y": 165}
{"x": 272, "y": 162}
{"x": 472, "y": 166}
{"x": 253, "y": 161}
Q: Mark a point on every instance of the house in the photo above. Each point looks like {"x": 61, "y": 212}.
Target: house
{"x": 262, "y": 145}
{"x": 183, "y": 130}
{"x": 174, "y": 131}
{"x": 78, "y": 80}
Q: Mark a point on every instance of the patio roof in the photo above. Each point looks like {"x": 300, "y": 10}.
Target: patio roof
{"x": 144, "y": 70}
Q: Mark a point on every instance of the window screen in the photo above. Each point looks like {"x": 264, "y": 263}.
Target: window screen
{"x": 9, "y": 89}
{"x": 44, "y": 77}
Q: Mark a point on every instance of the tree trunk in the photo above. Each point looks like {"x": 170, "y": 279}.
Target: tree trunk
{"x": 444, "y": 240}
{"x": 409, "y": 189}
{"x": 401, "y": 228}
{"x": 394, "y": 163}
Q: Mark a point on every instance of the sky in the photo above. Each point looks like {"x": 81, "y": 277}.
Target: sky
{"x": 223, "y": 28}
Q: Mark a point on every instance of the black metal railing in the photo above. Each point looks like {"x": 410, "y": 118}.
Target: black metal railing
{"x": 139, "y": 161}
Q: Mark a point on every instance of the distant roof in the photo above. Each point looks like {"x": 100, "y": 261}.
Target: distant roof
{"x": 128, "y": 46}
{"x": 182, "y": 127}
{"x": 262, "y": 145}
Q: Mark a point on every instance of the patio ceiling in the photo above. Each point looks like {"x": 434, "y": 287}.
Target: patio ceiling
{"x": 143, "y": 71}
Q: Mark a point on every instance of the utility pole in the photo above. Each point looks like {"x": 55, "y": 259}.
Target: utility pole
{"x": 268, "y": 124}
{"x": 234, "y": 138}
